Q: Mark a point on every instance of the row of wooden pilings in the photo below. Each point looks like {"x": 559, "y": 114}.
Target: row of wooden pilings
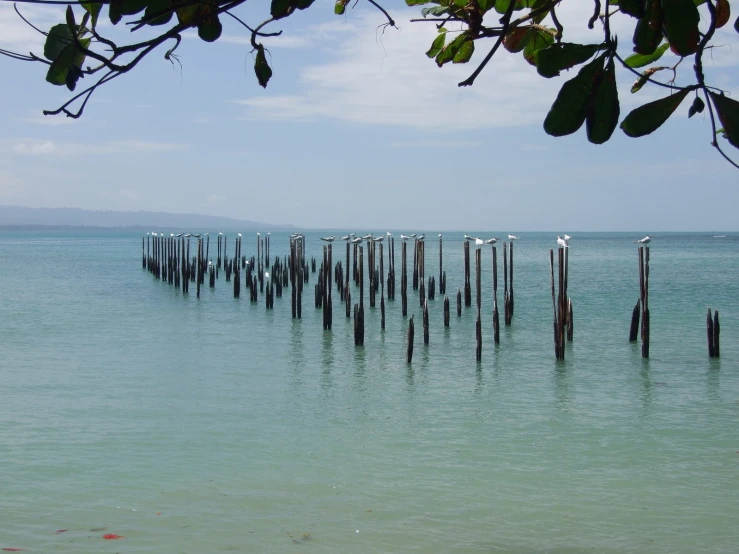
{"x": 169, "y": 259}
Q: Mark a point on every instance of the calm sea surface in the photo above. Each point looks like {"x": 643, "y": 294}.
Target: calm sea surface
{"x": 214, "y": 425}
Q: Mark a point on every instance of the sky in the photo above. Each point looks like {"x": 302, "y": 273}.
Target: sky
{"x": 356, "y": 129}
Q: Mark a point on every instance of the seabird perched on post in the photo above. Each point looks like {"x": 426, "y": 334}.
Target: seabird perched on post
{"x": 492, "y": 240}
{"x": 645, "y": 240}
{"x": 328, "y": 239}
{"x": 562, "y": 242}
{"x": 512, "y": 237}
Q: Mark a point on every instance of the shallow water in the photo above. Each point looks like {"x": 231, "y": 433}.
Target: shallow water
{"x": 217, "y": 426}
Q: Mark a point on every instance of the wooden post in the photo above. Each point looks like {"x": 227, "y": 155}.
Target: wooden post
{"x": 709, "y": 333}
{"x": 409, "y": 350}
{"x": 442, "y": 290}
{"x": 644, "y": 297}
{"x": 459, "y": 302}
{"x": 382, "y": 289}
{"x": 467, "y": 285}
{"x": 510, "y": 292}
{"x": 446, "y": 311}
{"x": 506, "y": 292}
{"x": 496, "y": 317}
{"x": 478, "y": 323}
{"x": 634, "y": 329}
{"x": 415, "y": 264}
{"x": 426, "y": 323}
{"x": 404, "y": 282}
{"x": 419, "y": 275}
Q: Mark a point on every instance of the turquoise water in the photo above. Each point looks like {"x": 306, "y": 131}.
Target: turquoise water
{"x": 217, "y": 426}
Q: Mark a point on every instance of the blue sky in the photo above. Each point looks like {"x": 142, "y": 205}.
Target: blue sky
{"x": 356, "y": 129}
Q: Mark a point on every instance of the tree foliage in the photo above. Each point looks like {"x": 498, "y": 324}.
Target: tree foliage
{"x": 77, "y": 48}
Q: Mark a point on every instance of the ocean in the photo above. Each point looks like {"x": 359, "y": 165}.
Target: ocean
{"x": 215, "y": 425}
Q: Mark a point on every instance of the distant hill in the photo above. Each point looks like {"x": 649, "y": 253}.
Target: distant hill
{"x": 75, "y": 217}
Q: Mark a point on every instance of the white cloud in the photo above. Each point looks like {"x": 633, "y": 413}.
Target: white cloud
{"x": 16, "y": 36}
{"x": 383, "y": 78}
{"x": 46, "y": 147}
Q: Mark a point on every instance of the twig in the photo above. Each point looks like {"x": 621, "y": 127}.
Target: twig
{"x": 558, "y": 25}
{"x": 277, "y": 34}
{"x": 387, "y": 15}
{"x": 596, "y": 14}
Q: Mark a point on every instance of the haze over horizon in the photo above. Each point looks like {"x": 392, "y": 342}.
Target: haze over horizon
{"x": 356, "y": 130}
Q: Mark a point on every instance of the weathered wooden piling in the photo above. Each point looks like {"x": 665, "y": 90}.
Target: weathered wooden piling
{"x": 371, "y": 271}
{"x": 459, "y": 302}
{"x": 506, "y": 292}
{"x": 409, "y": 347}
{"x": 442, "y": 290}
{"x": 426, "y": 322}
{"x": 510, "y": 290}
{"x": 421, "y": 271}
{"x": 446, "y": 311}
{"x": 403, "y": 282}
{"x": 359, "y": 308}
{"x": 382, "y": 287}
{"x": 467, "y": 285}
{"x": 478, "y": 323}
{"x": 496, "y": 316}
{"x": 415, "y": 264}
{"x": 713, "y": 330}
{"x": 558, "y": 304}
{"x": 644, "y": 298}
{"x": 634, "y": 329}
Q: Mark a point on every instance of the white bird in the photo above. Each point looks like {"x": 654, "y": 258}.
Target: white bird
{"x": 153, "y": 234}
{"x": 404, "y": 237}
{"x": 206, "y": 234}
{"x": 467, "y": 237}
{"x": 645, "y": 240}
{"x": 567, "y": 238}
{"x": 258, "y": 234}
{"x": 439, "y": 235}
{"x": 239, "y": 234}
{"x": 220, "y": 233}
{"x": 378, "y": 239}
{"x": 210, "y": 264}
{"x": 356, "y": 240}
{"x": 512, "y": 237}
{"x": 346, "y": 237}
{"x": 479, "y": 241}
{"x": 171, "y": 234}
{"x": 389, "y": 234}
{"x": 421, "y": 237}
{"x": 492, "y": 240}
{"x": 413, "y": 235}
{"x": 562, "y": 242}
{"x": 369, "y": 236}
{"x": 266, "y": 274}
{"x": 328, "y": 239}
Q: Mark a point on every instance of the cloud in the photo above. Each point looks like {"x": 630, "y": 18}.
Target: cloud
{"x": 35, "y": 147}
{"x": 214, "y": 199}
{"x": 16, "y": 36}
{"x": 383, "y": 78}
{"x": 282, "y": 41}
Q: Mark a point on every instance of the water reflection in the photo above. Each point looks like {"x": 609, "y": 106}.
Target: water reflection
{"x": 562, "y": 386}
{"x": 713, "y": 382}
{"x": 647, "y": 390}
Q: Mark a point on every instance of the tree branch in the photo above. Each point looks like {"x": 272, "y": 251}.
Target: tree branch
{"x": 387, "y": 15}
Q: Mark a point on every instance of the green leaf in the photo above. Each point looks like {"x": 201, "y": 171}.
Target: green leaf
{"x": 465, "y": 52}
{"x": 604, "y": 108}
{"x": 302, "y": 4}
{"x": 640, "y": 60}
{"x": 93, "y": 8}
{"x": 485, "y": 5}
{"x": 539, "y": 40}
{"x": 516, "y": 40}
{"x": 648, "y": 31}
{"x": 450, "y": 50}
{"x": 557, "y": 57}
{"x": 58, "y": 69}
{"x": 262, "y": 68}
{"x": 57, "y": 40}
{"x": 728, "y": 113}
{"x": 634, "y": 8}
{"x": 681, "y": 26}
{"x": 280, "y": 8}
{"x": 210, "y": 30}
{"x": 71, "y": 23}
{"x": 163, "y": 7}
{"x": 697, "y": 107}
{"x": 501, "y": 6}
{"x": 119, "y": 8}
{"x": 340, "y": 7}
{"x": 648, "y": 118}
{"x": 436, "y": 46}
{"x": 417, "y": 2}
{"x": 435, "y": 10}
{"x": 569, "y": 110}
{"x": 723, "y": 13}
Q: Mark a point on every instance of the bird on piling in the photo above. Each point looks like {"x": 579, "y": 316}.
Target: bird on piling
{"x": 512, "y": 237}
{"x": 440, "y": 235}
{"x": 479, "y": 241}
{"x": 492, "y": 240}
{"x": 206, "y": 234}
{"x": 346, "y": 237}
{"x": 562, "y": 242}
{"x": 328, "y": 239}
{"x": 413, "y": 235}
{"x": 645, "y": 240}
{"x": 369, "y": 236}
{"x": 567, "y": 238}
{"x": 239, "y": 234}
{"x": 356, "y": 240}
{"x": 378, "y": 239}
{"x": 404, "y": 237}
{"x": 421, "y": 236}
{"x": 389, "y": 234}
{"x": 467, "y": 237}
